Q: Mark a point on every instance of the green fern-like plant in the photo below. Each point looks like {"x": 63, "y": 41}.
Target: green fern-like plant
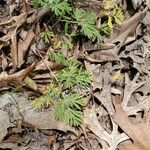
{"x": 113, "y": 12}
{"x": 69, "y": 109}
{"x": 52, "y": 93}
{"x": 68, "y": 105}
{"x": 87, "y": 21}
{"x": 60, "y": 7}
{"x": 46, "y": 36}
{"x": 59, "y": 58}
{"x": 68, "y": 14}
{"x": 73, "y": 74}
{"x": 117, "y": 15}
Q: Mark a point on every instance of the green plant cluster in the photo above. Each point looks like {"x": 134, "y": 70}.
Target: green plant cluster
{"x": 84, "y": 22}
{"x": 61, "y": 91}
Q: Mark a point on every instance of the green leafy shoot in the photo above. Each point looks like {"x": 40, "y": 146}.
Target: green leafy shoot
{"x": 105, "y": 29}
{"x": 49, "y": 96}
{"x": 40, "y": 3}
{"x": 73, "y": 75}
{"x": 59, "y": 58}
{"x": 18, "y": 87}
{"x": 118, "y": 15}
{"x": 46, "y": 36}
{"x": 84, "y": 22}
{"x": 69, "y": 109}
{"x": 87, "y": 21}
{"x": 60, "y": 7}
{"x": 114, "y": 12}
{"x": 68, "y": 105}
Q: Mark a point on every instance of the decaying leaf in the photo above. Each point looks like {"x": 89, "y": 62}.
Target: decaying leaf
{"x": 99, "y": 57}
{"x": 113, "y": 139}
{"x": 21, "y": 109}
{"x": 128, "y": 28}
{"x": 117, "y": 112}
{"x": 105, "y": 96}
{"x": 23, "y": 47}
{"x": 15, "y": 78}
{"x": 138, "y": 132}
{"x": 12, "y": 35}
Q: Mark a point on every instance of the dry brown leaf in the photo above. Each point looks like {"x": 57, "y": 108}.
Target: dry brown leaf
{"x": 138, "y": 132}
{"x": 37, "y": 14}
{"x": 3, "y": 61}
{"x": 45, "y": 64}
{"x": 14, "y": 49}
{"x": 97, "y": 77}
{"x": 113, "y": 138}
{"x": 102, "y": 56}
{"x": 128, "y": 28}
{"x": 88, "y": 46}
{"x": 105, "y": 96}
{"x": 23, "y": 47}
{"x": 145, "y": 89}
{"x": 15, "y": 78}
{"x": 136, "y": 58}
{"x": 16, "y": 21}
{"x": 134, "y": 19}
{"x": 30, "y": 83}
{"x": 130, "y": 87}
{"x": 22, "y": 110}
{"x": 134, "y": 146}
{"x": 51, "y": 138}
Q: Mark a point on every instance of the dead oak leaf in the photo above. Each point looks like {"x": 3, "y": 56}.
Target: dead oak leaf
{"x": 100, "y": 56}
{"x": 23, "y": 47}
{"x": 139, "y": 132}
{"x": 113, "y": 138}
{"x": 15, "y": 78}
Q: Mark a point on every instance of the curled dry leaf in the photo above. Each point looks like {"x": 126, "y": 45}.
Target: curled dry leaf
{"x": 102, "y": 56}
{"x": 23, "y": 47}
{"x": 30, "y": 83}
{"x": 45, "y": 64}
{"x": 130, "y": 87}
{"x": 138, "y": 132}
{"x": 37, "y": 15}
{"x": 88, "y": 46}
{"x": 145, "y": 89}
{"x": 16, "y": 21}
{"x": 15, "y": 78}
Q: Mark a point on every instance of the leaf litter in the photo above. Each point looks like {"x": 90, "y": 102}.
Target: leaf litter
{"x": 116, "y": 114}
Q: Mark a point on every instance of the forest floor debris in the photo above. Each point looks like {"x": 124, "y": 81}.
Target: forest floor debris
{"x": 91, "y": 74}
